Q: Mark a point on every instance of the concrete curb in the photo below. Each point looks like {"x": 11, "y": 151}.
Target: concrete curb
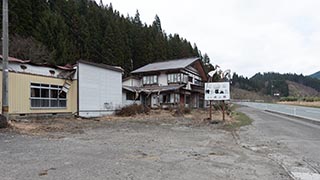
{"x": 305, "y": 119}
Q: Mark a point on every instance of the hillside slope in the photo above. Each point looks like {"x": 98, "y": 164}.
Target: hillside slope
{"x": 299, "y": 90}
{"x": 276, "y": 84}
{"x": 316, "y": 75}
{"x": 237, "y": 93}
{"x": 61, "y": 32}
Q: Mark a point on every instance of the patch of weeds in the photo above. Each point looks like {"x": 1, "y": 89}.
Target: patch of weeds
{"x": 240, "y": 118}
{"x": 132, "y": 110}
{"x": 228, "y": 108}
{"x": 181, "y": 110}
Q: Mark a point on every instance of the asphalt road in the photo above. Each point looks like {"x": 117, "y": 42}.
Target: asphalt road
{"x": 293, "y": 143}
{"x": 299, "y": 111}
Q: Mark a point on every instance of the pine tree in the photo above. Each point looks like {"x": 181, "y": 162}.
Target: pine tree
{"x": 157, "y": 24}
{"x": 66, "y": 31}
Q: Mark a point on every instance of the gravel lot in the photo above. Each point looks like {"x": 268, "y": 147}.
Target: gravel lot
{"x": 151, "y": 147}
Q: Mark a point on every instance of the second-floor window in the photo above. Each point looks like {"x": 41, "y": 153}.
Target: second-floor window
{"x": 198, "y": 82}
{"x": 150, "y": 79}
{"x": 177, "y": 78}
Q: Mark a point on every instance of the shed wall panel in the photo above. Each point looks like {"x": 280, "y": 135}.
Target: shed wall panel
{"x": 100, "y": 90}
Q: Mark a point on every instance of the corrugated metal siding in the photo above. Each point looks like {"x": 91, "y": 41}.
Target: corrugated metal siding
{"x": 19, "y": 93}
{"x": 100, "y": 90}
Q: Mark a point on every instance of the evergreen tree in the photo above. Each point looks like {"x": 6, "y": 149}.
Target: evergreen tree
{"x": 206, "y": 62}
{"x": 60, "y": 32}
{"x": 157, "y": 24}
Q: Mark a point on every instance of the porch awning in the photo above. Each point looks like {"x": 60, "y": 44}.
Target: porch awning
{"x": 153, "y": 89}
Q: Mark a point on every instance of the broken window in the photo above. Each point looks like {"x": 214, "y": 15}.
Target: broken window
{"x": 47, "y": 96}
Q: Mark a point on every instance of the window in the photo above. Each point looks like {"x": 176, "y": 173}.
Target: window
{"x": 150, "y": 79}
{"x": 177, "y": 78}
{"x": 166, "y": 98}
{"x": 131, "y": 96}
{"x": 188, "y": 99}
{"x": 47, "y": 96}
{"x": 198, "y": 82}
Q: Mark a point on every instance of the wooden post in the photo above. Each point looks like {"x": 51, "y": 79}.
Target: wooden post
{"x": 223, "y": 109}
{"x": 210, "y": 114}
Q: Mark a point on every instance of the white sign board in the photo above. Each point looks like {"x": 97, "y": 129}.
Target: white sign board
{"x": 217, "y": 91}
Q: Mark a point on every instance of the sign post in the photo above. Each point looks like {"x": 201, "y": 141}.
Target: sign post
{"x": 217, "y": 91}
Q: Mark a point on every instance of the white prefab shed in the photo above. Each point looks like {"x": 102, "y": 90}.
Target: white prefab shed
{"x": 99, "y": 89}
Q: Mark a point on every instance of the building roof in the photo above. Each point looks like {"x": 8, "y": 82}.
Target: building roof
{"x": 12, "y": 59}
{"x": 67, "y": 67}
{"x": 114, "y": 68}
{"x": 166, "y": 65}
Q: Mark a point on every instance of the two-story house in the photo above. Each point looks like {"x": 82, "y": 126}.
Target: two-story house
{"x": 167, "y": 84}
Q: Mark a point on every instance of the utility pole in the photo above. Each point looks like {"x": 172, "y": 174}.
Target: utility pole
{"x": 5, "y": 53}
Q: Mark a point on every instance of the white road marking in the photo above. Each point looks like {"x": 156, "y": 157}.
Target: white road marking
{"x": 306, "y": 176}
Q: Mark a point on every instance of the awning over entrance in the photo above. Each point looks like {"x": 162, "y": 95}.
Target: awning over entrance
{"x": 153, "y": 89}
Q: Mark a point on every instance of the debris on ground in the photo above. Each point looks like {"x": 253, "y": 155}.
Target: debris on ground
{"x": 185, "y": 116}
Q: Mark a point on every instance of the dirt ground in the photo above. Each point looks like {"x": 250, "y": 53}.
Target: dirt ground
{"x": 155, "y": 146}
{"x": 79, "y": 125}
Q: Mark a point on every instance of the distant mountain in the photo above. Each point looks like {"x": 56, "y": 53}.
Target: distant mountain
{"x": 316, "y": 75}
{"x": 276, "y": 84}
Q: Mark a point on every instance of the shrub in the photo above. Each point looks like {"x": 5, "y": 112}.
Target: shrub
{"x": 181, "y": 110}
{"x": 186, "y": 110}
{"x": 132, "y": 110}
{"x": 289, "y": 98}
{"x": 218, "y": 107}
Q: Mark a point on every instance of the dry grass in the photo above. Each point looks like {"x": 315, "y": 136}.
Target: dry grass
{"x": 196, "y": 117}
{"x": 132, "y": 110}
{"x": 302, "y": 103}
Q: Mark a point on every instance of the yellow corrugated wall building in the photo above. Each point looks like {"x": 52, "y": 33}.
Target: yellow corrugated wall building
{"x": 19, "y": 94}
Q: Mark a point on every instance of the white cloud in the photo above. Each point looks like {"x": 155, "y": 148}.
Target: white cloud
{"x": 246, "y": 36}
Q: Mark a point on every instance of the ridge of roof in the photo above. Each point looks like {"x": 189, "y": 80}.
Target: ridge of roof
{"x": 105, "y": 66}
{"x": 166, "y": 65}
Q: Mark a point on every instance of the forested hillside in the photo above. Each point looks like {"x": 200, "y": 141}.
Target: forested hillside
{"x": 274, "y": 83}
{"x": 64, "y": 31}
{"x": 316, "y": 75}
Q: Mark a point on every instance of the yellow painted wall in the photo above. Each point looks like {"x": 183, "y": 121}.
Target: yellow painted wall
{"x": 19, "y": 94}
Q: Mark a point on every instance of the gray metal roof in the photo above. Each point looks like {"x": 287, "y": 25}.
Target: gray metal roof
{"x": 166, "y": 65}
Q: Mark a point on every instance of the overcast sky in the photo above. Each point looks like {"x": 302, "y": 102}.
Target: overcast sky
{"x": 246, "y": 36}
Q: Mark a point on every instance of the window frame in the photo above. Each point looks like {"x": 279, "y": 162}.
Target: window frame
{"x": 176, "y": 78}
{"x": 150, "y": 80}
{"x": 39, "y": 102}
